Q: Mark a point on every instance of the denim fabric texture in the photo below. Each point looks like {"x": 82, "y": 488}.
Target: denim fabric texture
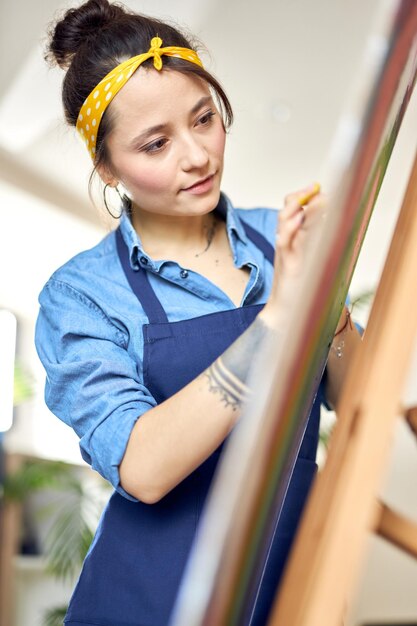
{"x": 89, "y": 330}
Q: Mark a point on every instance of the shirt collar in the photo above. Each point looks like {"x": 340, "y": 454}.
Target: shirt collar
{"x": 225, "y": 208}
{"x": 132, "y": 240}
{"x": 233, "y": 222}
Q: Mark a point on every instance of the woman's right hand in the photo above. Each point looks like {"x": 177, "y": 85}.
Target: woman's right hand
{"x": 295, "y": 222}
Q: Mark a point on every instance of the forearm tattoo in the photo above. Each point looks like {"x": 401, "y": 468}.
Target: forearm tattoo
{"x": 229, "y": 374}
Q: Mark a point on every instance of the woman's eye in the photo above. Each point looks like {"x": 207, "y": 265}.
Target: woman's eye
{"x": 206, "y": 118}
{"x": 155, "y": 146}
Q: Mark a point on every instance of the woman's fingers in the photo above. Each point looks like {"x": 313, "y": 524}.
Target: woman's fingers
{"x": 295, "y": 222}
{"x": 288, "y": 228}
{"x": 299, "y": 209}
{"x": 294, "y": 201}
{"x": 315, "y": 209}
{"x": 298, "y": 217}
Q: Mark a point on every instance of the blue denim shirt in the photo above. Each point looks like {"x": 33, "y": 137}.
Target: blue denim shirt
{"x": 89, "y": 331}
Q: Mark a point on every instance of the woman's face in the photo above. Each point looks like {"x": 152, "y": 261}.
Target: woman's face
{"x": 167, "y": 143}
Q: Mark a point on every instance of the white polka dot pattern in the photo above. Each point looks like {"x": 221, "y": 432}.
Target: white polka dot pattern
{"x": 104, "y": 92}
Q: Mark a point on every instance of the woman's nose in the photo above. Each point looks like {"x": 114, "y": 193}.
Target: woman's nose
{"x": 194, "y": 154}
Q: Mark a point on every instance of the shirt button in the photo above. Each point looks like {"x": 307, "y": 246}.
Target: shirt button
{"x": 183, "y": 273}
{"x": 143, "y": 260}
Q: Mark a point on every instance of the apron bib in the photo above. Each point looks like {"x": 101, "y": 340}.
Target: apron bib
{"x": 133, "y": 570}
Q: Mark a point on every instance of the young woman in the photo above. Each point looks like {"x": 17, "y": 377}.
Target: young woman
{"x": 147, "y": 339}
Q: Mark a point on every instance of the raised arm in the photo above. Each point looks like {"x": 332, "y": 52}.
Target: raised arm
{"x": 172, "y": 439}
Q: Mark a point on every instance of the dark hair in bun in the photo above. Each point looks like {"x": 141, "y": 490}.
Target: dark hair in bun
{"x": 89, "y": 41}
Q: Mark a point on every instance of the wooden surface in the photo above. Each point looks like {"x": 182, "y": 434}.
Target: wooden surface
{"x": 396, "y": 529}
{"x": 341, "y": 509}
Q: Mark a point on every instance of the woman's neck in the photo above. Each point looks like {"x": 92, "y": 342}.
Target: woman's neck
{"x": 167, "y": 236}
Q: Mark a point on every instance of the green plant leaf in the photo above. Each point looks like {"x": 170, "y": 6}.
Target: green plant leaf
{"x": 74, "y": 510}
{"x": 67, "y": 542}
{"x": 36, "y": 476}
{"x": 23, "y": 385}
{"x": 363, "y": 300}
{"x": 54, "y": 616}
{"x": 71, "y": 534}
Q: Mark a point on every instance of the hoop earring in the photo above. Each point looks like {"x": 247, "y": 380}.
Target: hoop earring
{"x": 116, "y": 217}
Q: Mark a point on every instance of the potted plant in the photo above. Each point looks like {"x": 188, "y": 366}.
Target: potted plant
{"x": 65, "y": 502}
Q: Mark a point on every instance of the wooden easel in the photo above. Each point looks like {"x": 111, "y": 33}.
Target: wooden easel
{"x": 343, "y": 506}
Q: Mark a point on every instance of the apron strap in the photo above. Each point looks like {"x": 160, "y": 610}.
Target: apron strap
{"x": 140, "y": 285}
{"x": 260, "y": 242}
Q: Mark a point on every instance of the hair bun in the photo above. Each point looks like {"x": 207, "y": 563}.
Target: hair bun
{"x": 67, "y": 35}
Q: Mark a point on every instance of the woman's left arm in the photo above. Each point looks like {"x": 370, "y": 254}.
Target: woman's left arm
{"x": 346, "y": 339}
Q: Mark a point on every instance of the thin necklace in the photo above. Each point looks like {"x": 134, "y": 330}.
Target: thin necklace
{"x": 211, "y": 231}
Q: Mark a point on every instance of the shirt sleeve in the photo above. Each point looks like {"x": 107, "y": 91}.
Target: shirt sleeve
{"x": 93, "y": 384}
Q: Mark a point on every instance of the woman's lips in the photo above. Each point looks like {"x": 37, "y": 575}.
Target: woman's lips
{"x": 202, "y": 186}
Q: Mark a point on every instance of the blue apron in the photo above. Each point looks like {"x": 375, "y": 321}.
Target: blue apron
{"x": 133, "y": 570}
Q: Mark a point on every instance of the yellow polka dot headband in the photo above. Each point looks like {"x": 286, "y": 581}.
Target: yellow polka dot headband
{"x": 92, "y": 111}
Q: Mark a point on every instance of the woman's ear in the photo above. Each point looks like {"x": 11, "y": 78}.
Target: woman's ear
{"x": 107, "y": 176}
